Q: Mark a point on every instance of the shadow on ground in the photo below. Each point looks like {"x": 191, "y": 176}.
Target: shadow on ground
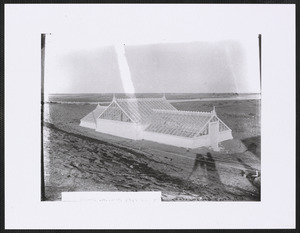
{"x": 253, "y": 145}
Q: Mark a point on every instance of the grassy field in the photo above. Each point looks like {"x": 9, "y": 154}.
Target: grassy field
{"x": 80, "y": 159}
{"x": 170, "y": 96}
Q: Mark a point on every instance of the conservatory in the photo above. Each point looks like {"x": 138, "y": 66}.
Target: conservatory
{"x": 155, "y": 119}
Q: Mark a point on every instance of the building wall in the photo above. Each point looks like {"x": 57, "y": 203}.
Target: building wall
{"x": 88, "y": 124}
{"x": 225, "y": 135}
{"x": 118, "y": 128}
{"x": 201, "y": 141}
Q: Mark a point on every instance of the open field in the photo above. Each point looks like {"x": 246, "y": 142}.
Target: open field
{"x": 80, "y": 159}
{"x": 105, "y": 98}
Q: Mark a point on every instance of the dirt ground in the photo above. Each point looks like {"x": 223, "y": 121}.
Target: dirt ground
{"x": 80, "y": 159}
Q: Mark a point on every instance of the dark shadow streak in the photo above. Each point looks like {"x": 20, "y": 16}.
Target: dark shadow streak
{"x": 208, "y": 165}
{"x": 199, "y": 161}
{"x": 212, "y": 172}
{"x": 253, "y": 145}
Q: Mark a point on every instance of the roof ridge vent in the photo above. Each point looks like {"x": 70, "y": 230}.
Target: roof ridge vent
{"x": 140, "y": 99}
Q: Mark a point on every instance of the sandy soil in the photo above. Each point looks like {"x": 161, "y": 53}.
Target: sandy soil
{"x": 80, "y": 159}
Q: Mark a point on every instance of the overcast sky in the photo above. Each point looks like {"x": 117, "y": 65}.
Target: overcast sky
{"x": 161, "y": 54}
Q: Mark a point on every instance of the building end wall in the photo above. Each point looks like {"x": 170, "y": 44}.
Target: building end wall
{"x": 225, "y": 135}
{"x": 87, "y": 124}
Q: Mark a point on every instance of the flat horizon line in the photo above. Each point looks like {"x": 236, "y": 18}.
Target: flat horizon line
{"x": 167, "y": 93}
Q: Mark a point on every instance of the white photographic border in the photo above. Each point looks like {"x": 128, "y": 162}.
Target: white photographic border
{"x": 24, "y": 24}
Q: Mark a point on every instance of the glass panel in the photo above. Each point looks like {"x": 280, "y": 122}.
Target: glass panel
{"x": 214, "y": 119}
{"x": 115, "y": 113}
{"x": 222, "y": 127}
{"x": 204, "y": 131}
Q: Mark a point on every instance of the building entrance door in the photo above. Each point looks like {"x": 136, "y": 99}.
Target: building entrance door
{"x": 213, "y": 132}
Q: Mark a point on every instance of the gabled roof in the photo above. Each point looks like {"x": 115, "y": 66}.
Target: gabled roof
{"x": 92, "y": 116}
{"x": 141, "y": 110}
{"x": 179, "y": 123}
{"x": 160, "y": 116}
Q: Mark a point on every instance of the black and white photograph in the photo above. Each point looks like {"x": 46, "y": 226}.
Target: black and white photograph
{"x": 179, "y": 118}
{"x": 150, "y": 116}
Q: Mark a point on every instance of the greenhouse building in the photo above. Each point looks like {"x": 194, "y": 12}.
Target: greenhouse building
{"x": 155, "y": 119}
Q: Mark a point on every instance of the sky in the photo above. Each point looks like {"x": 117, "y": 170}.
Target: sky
{"x": 120, "y": 49}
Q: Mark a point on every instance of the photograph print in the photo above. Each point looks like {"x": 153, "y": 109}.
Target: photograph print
{"x": 179, "y": 117}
